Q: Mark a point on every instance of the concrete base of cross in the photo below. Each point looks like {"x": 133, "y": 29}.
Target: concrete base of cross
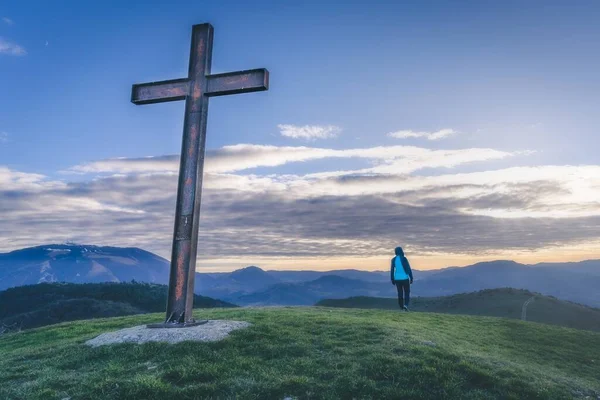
{"x": 176, "y": 325}
{"x": 210, "y": 331}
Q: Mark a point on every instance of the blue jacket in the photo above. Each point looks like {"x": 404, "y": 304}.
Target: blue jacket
{"x": 405, "y": 265}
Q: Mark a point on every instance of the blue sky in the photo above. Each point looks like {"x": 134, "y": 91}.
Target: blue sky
{"x": 510, "y": 87}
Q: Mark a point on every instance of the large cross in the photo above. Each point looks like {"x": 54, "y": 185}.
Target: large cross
{"x": 195, "y": 90}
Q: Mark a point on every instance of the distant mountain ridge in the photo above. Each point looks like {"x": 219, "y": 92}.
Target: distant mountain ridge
{"x": 578, "y": 282}
{"x": 574, "y": 281}
{"x": 80, "y": 264}
{"x": 307, "y": 293}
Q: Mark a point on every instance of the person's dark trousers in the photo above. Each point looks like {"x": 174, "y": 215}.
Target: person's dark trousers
{"x": 403, "y": 292}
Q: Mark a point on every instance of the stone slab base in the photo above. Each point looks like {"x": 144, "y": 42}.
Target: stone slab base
{"x": 211, "y": 331}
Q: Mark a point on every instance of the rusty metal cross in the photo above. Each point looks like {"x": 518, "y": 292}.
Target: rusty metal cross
{"x": 195, "y": 90}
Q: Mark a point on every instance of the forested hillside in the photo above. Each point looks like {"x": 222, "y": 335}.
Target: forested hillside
{"x": 50, "y": 303}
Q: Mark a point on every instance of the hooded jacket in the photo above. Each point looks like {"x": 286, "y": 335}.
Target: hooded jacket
{"x": 405, "y": 264}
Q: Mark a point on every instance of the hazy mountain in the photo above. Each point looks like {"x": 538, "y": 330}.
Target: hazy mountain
{"x": 237, "y": 283}
{"x": 304, "y": 276}
{"x": 80, "y": 264}
{"x": 577, "y": 282}
{"x": 251, "y": 280}
{"x": 591, "y": 267}
{"x": 307, "y": 293}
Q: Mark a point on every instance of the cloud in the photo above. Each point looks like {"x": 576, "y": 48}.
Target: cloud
{"x": 163, "y": 164}
{"x": 34, "y": 192}
{"x": 402, "y": 193}
{"x": 335, "y": 214}
{"x": 13, "y": 180}
{"x": 3, "y": 137}
{"x": 366, "y": 225}
{"x": 573, "y": 190}
{"x": 11, "y": 49}
{"x": 279, "y": 223}
{"x": 437, "y": 135}
{"x": 309, "y": 132}
{"x": 8, "y": 21}
{"x": 385, "y": 159}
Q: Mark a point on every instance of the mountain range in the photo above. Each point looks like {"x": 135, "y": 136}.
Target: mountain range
{"x": 576, "y": 281}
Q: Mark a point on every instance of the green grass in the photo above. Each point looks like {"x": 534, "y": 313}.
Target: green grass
{"x": 506, "y": 303}
{"x": 309, "y": 353}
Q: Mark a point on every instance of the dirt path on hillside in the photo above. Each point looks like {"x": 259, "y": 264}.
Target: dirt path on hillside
{"x": 524, "y": 308}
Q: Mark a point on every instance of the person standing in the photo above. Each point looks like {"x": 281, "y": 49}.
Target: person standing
{"x": 402, "y": 277}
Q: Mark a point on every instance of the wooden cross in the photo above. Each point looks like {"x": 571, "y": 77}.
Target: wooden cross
{"x": 195, "y": 90}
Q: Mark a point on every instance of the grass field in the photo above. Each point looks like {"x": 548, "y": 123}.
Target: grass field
{"x": 309, "y": 353}
{"x": 506, "y": 303}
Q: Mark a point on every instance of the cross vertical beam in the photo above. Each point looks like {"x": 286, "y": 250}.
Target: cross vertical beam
{"x": 196, "y": 90}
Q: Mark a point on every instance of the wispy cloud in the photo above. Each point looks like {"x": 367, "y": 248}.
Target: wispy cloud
{"x": 437, "y": 135}
{"x": 3, "y": 137}
{"x": 10, "y": 48}
{"x": 385, "y": 159}
{"x": 8, "y": 21}
{"x": 309, "y": 132}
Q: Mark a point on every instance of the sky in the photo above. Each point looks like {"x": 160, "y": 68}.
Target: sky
{"x": 462, "y": 132}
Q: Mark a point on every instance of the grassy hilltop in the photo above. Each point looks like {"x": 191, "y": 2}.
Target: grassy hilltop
{"x": 309, "y": 353}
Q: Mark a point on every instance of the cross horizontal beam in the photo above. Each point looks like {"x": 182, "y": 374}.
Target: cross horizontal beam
{"x": 252, "y": 80}
{"x": 159, "y": 92}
